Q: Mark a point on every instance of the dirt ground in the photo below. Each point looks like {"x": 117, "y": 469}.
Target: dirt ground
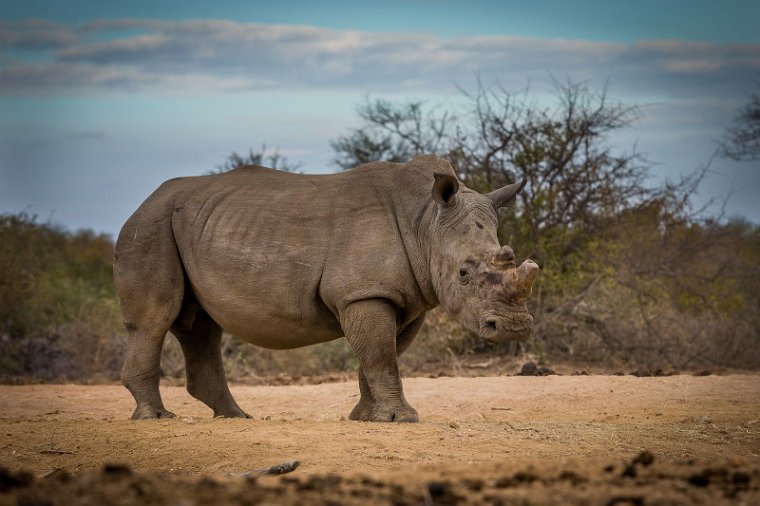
{"x": 491, "y": 440}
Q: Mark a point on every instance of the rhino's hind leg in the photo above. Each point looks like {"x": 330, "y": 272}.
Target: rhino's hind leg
{"x": 364, "y": 408}
{"x": 150, "y": 285}
{"x": 141, "y": 373}
{"x": 204, "y": 369}
{"x": 370, "y": 328}
{"x": 150, "y": 282}
{"x": 147, "y": 324}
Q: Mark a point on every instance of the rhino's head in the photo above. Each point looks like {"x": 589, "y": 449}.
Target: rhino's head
{"x": 478, "y": 281}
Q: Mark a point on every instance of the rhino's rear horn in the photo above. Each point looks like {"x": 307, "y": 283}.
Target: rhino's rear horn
{"x": 505, "y": 257}
{"x": 444, "y": 188}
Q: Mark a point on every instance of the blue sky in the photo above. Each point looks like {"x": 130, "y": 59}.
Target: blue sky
{"x": 102, "y": 100}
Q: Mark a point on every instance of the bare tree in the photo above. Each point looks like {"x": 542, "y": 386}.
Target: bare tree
{"x": 742, "y": 139}
{"x": 393, "y": 133}
{"x": 574, "y": 177}
{"x": 272, "y": 160}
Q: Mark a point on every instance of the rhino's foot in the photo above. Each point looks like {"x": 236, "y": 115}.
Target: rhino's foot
{"x": 236, "y": 413}
{"x": 362, "y": 411}
{"x": 373, "y": 412}
{"x": 150, "y": 413}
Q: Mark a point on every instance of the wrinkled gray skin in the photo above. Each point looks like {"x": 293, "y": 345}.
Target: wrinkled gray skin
{"x": 284, "y": 260}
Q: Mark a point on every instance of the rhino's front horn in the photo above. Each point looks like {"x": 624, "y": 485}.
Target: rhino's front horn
{"x": 526, "y": 276}
{"x": 518, "y": 282}
{"x": 504, "y": 195}
{"x": 529, "y": 270}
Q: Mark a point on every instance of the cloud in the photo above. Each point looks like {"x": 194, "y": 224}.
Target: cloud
{"x": 54, "y": 78}
{"x": 695, "y": 58}
{"x": 216, "y": 56}
{"x": 101, "y": 25}
{"x": 35, "y": 34}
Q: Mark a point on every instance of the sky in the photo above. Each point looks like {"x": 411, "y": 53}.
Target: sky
{"x": 101, "y": 101}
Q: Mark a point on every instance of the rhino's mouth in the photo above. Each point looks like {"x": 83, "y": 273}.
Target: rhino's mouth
{"x": 512, "y": 325}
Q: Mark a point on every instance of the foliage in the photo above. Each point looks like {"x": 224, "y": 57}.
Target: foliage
{"x": 58, "y": 315}
{"x": 662, "y": 290}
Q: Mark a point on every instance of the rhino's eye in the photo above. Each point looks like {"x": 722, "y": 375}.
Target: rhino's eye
{"x": 464, "y": 275}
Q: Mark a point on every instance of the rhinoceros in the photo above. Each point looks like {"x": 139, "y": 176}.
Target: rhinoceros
{"x": 287, "y": 260}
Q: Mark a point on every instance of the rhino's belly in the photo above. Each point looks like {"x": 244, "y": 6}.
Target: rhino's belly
{"x": 277, "y": 318}
{"x": 261, "y": 295}
{"x": 281, "y": 335}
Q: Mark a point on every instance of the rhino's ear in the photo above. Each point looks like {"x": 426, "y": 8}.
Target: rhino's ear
{"x": 445, "y": 188}
{"x": 504, "y": 196}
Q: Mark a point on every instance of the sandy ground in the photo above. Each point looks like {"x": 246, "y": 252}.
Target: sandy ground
{"x": 553, "y": 440}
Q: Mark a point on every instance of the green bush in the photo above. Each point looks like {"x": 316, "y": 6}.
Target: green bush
{"x": 59, "y": 318}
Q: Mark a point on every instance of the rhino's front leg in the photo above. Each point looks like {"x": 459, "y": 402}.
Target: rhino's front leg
{"x": 370, "y": 328}
{"x": 366, "y": 403}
